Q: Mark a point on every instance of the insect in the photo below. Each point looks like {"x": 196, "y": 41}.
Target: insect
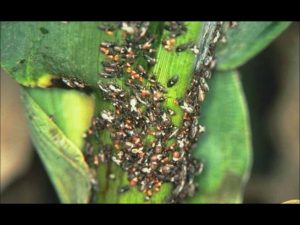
{"x": 169, "y": 43}
{"x": 68, "y": 82}
{"x": 203, "y": 84}
{"x": 107, "y": 28}
{"x": 150, "y": 60}
{"x": 184, "y": 47}
{"x": 123, "y": 189}
{"x": 142, "y": 71}
{"x": 232, "y": 24}
{"x": 195, "y": 49}
{"x": 107, "y": 75}
{"x": 172, "y": 81}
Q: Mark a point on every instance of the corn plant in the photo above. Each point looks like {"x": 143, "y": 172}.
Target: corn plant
{"x": 138, "y": 112}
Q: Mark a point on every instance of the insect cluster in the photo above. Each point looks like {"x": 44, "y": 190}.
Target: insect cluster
{"x": 145, "y": 143}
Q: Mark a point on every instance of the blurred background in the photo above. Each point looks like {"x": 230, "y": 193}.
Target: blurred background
{"x": 271, "y": 84}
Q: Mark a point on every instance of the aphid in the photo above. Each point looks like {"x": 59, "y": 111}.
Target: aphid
{"x": 212, "y": 64}
{"x": 169, "y": 43}
{"x": 68, "y": 82}
{"x": 134, "y": 181}
{"x": 114, "y": 88}
{"x": 150, "y": 60}
{"x": 144, "y": 28}
{"x": 130, "y": 54}
{"x": 208, "y": 60}
{"x": 176, "y": 156}
{"x": 146, "y": 45}
{"x": 184, "y": 47}
{"x": 106, "y": 44}
{"x": 115, "y": 58}
{"x": 158, "y": 96}
{"x": 108, "y": 29}
{"x": 107, "y": 115}
{"x": 107, "y": 75}
{"x": 171, "y": 112}
{"x": 203, "y": 84}
{"x": 232, "y": 24}
{"x": 152, "y": 79}
{"x": 135, "y": 76}
{"x": 201, "y": 94}
{"x": 172, "y": 81}
{"x": 145, "y": 93}
{"x": 141, "y": 70}
{"x": 146, "y": 170}
{"x": 166, "y": 169}
{"x": 128, "y": 29}
{"x": 185, "y": 106}
{"x": 79, "y": 83}
{"x": 216, "y": 38}
{"x": 175, "y": 131}
{"x": 137, "y": 150}
{"x": 110, "y": 70}
{"x": 194, "y": 129}
{"x": 117, "y": 161}
{"x": 164, "y": 117}
{"x": 206, "y": 74}
{"x": 195, "y": 50}
{"x": 201, "y": 129}
{"x": 176, "y": 33}
{"x": 181, "y": 143}
{"x": 102, "y": 87}
{"x": 123, "y": 189}
{"x": 105, "y": 51}
{"x": 139, "y": 99}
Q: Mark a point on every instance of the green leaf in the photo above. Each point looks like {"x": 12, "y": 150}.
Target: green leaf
{"x": 55, "y": 131}
{"x": 246, "y": 40}
{"x": 225, "y": 147}
{"x": 181, "y": 64}
{"x": 34, "y": 52}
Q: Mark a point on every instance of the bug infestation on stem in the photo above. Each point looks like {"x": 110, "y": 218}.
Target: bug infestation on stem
{"x": 139, "y": 112}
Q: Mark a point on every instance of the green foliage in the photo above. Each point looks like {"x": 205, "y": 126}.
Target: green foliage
{"x": 245, "y": 41}
{"x": 35, "y": 52}
{"x": 225, "y": 147}
{"x": 62, "y": 156}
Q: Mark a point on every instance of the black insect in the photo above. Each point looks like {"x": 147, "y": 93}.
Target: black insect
{"x": 172, "y": 81}
{"x": 184, "y": 47}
